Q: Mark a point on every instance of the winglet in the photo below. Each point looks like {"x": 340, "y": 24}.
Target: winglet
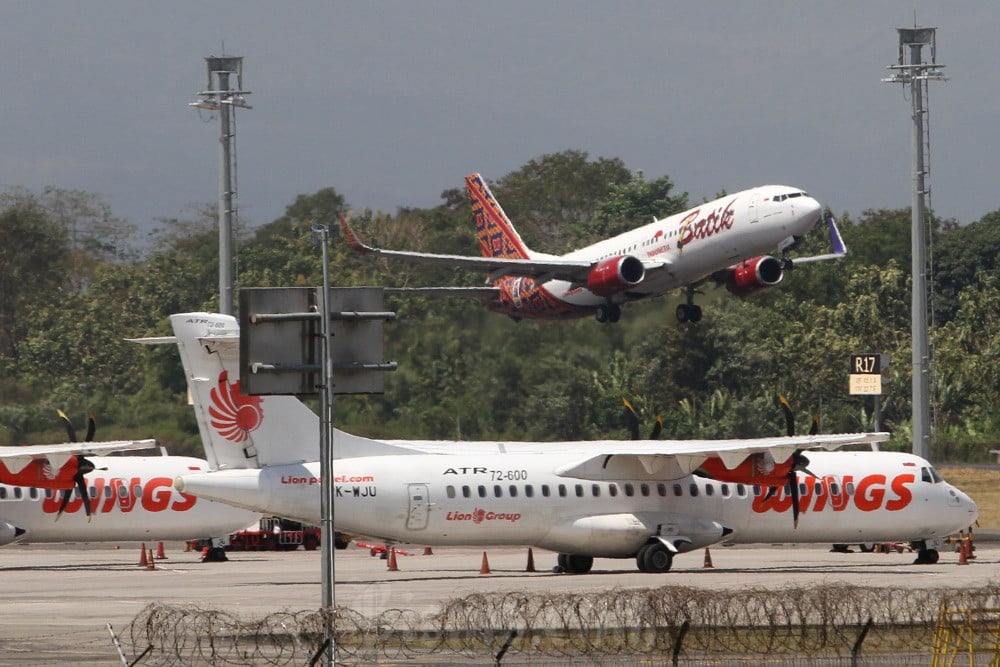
{"x": 352, "y": 238}
{"x": 835, "y": 239}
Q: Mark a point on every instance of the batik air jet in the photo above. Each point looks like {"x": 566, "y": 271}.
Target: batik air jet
{"x": 614, "y": 499}
{"x": 133, "y": 497}
{"x": 727, "y": 240}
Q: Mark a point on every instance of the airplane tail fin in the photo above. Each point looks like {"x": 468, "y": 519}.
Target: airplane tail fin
{"x": 240, "y": 431}
{"x": 497, "y": 236}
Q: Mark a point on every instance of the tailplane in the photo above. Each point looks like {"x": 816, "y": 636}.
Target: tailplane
{"x": 496, "y": 233}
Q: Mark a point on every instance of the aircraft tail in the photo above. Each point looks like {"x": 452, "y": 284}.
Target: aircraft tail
{"x": 496, "y": 233}
{"x": 240, "y": 431}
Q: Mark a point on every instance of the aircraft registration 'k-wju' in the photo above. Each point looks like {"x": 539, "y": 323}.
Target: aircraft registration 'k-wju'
{"x": 726, "y": 240}
{"x": 615, "y": 499}
{"x": 49, "y": 493}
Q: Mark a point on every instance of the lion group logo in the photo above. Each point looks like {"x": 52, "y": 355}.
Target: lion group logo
{"x": 234, "y": 415}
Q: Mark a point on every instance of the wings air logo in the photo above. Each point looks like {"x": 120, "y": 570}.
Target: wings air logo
{"x": 234, "y": 415}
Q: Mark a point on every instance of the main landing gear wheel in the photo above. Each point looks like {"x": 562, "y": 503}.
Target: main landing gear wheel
{"x": 610, "y": 312}
{"x": 926, "y": 557}
{"x": 574, "y": 563}
{"x": 655, "y": 557}
{"x": 688, "y": 312}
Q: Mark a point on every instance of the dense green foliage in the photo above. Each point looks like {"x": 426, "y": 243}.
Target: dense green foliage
{"x": 71, "y": 291}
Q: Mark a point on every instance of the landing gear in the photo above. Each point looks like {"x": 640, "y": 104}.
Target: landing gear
{"x": 654, "y": 557}
{"x": 574, "y": 563}
{"x": 688, "y": 312}
{"x": 215, "y": 555}
{"x": 926, "y": 557}
{"x": 609, "y": 312}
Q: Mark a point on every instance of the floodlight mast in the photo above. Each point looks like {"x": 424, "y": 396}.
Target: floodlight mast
{"x": 915, "y": 73}
{"x": 220, "y": 97}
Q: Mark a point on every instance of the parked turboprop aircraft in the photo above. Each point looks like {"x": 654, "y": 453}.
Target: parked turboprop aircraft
{"x": 725, "y": 240}
{"x": 131, "y": 498}
{"x": 617, "y": 499}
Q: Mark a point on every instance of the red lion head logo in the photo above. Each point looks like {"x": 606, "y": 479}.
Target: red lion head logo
{"x": 234, "y": 415}
{"x": 478, "y": 515}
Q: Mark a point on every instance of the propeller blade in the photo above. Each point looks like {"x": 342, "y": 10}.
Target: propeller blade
{"x": 70, "y": 431}
{"x": 81, "y": 484}
{"x": 814, "y": 429}
{"x": 657, "y": 428}
{"x": 91, "y": 427}
{"x": 786, "y": 409}
{"x": 793, "y": 482}
{"x": 631, "y": 420}
{"x": 67, "y": 494}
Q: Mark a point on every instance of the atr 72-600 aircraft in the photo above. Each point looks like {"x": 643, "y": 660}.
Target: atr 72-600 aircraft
{"x": 615, "y": 499}
{"x": 725, "y": 240}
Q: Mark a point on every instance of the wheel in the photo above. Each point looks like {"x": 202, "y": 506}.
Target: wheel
{"x": 867, "y": 548}
{"x": 577, "y": 564}
{"x": 640, "y": 558}
{"x": 561, "y": 565}
{"x": 926, "y": 557}
{"x": 310, "y": 542}
{"x": 682, "y": 312}
{"x": 215, "y": 555}
{"x": 694, "y": 313}
{"x": 602, "y": 314}
{"x": 657, "y": 558}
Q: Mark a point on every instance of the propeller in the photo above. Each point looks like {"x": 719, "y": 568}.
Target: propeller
{"x": 83, "y": 465}
{"x": 799, "y": 460}
{"x": 632, "y": 420}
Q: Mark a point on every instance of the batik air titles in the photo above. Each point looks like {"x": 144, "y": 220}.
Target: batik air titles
{"x": 620, "y": 499}
{"x": 727, "y": 240}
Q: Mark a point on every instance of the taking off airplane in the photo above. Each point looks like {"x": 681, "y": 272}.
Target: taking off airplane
{"x": 726, "y": 240}
{"x": 613, "y": 499}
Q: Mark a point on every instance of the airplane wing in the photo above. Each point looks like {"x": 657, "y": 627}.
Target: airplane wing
{"x": 541, "y": 269}
{"x": 466, "y": 292}
{"x": 666, "y": 460}
{"x": 17, "y": 457}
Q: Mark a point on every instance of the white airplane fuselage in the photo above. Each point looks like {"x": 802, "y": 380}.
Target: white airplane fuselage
{"x": 517, "y": 499}
{"x": 715, "y": 235}
{"x": 133, "y": 498}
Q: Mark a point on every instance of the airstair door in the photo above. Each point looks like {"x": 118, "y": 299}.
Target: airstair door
{"x": 419, "y": 509}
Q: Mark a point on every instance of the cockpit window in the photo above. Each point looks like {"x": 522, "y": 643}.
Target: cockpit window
{"x": 930, "y": 475}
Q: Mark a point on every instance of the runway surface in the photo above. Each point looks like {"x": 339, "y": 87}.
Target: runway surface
{"x": 58, "y": 599}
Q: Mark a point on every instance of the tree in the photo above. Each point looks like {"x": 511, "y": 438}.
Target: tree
{"x": 636, "y": 202}
{"x": 553, "y": 200}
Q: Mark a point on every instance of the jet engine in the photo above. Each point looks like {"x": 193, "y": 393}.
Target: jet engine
{"x": 754, "y": 275}
{"x": 615, "y": 275}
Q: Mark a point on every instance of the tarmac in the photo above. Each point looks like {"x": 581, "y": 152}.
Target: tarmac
{"x": 58, "y": 600}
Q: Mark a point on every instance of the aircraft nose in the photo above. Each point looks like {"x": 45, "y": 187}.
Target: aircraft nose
{"x": 808, "y": 209}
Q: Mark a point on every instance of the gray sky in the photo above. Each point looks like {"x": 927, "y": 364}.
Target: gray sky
{"x": 393, "y": 102}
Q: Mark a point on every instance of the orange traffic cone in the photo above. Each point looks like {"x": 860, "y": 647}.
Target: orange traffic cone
{"x": 963, "y": 552}
{"x": 159, "y": 551}
{"x": 392, "y": 561}
{"x": 142, "y": 556}
{"x": 150, "y": 565}
{"x": 708, "y": 559}
{"x": 485, "y": 568}
{"x": 971, "y": 549}
{"x": 428, "y": 552}
{"x": 204, "y": 553}
{"x": 531, "y": 561}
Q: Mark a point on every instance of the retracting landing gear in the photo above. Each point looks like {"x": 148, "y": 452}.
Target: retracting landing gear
{"x": 654, "y": 557}
{"x": 689, "y": 311}
{"x": 574, "y": 563}
{"x": 608, "y": 312}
